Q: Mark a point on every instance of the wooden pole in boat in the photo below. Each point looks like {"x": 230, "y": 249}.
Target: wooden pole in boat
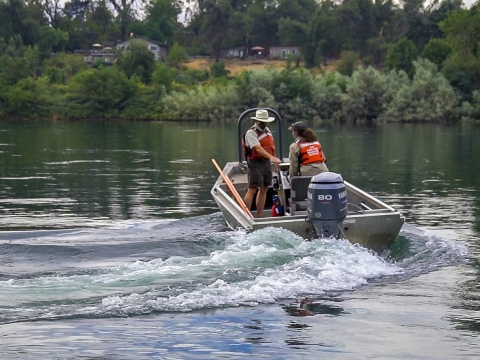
{"x": 232, "y": 189}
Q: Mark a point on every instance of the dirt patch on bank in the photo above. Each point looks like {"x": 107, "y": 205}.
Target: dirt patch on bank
{"x": 236, "y": 65}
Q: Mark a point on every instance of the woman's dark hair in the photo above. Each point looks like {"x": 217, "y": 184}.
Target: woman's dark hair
{"x": 308, "y": 135}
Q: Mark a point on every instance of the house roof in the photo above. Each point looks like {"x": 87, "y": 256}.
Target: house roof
{"x": 285, "y": 47}
{"x": 159, "y": 43}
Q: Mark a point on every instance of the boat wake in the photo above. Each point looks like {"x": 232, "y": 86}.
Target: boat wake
{"x": 177, "y": 268}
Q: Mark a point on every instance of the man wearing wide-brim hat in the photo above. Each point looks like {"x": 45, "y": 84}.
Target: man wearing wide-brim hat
{"x": 259, "y": 148}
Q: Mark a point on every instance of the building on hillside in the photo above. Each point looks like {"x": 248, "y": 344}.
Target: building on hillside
{"x": 258, "y": 52}
{"x": 99, "y": 53}
{"x": 282, "y": 52}
{"x": 159, "y": 49}
{"x": 106, "y": 52}
{"x": 233, "y": 52}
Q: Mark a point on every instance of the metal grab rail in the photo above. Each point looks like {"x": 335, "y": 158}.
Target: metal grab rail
{"x": 240, "y": 135}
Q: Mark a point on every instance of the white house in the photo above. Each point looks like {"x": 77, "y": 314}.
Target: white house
{"x": 281, "y": 52}
{"x": 158, "y": 48}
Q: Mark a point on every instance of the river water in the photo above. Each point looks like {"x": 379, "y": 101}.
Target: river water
{"x": 111, "y": 247}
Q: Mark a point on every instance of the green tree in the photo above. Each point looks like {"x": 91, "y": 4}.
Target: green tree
{"x": 437, "y": 14}
{"x": 436, "y": 51}
{"x": 160, "y": 22}
{"x": 100, "y": 20}
{"x": 218, "y": 70}
{"x": 74, "y": 23}
{"x": 429, "y": 97}
{"x": 163, "y": 77}
{"x": 462, "y": 67}
{"x": 68, "y": 64}
{"x": 30, "y": 98}
{"x": 52, "y": 10}
{"x": 357, "y": 23}
{"x": 99, "y": 92}
{"x": 52, "y": 40}
{"x": 298, "y": 26}
{"x": 462, "y": 30}
{"x": 176, "y": 55}
{"x": 125, "y": 11}
{"x": 347, "y": 63}
{"x": 366, "y": 96}
{"x": 264, "y": 23}
{"x": 222, "y": 23}
{"x": 293, "y": 33}
{"x": 13, "y": 14}
{"x": 414, "y": 22}
{"x": 13, "y": 69}
{"x": 139, "y": 61}
{"x": 401, "y": 55}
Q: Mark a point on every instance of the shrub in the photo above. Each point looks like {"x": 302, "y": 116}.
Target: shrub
{"x": 292, "y": 91}
{"x": 56, "y": 75}
{"x": 218, "y": 70}
{"x": 13, "y": 70}
{"x": 327, "y": 95}
{"x": 176, "y": 56}
{"x": 365, "y": 95}
{"x": 347, "y": 63}
{"x": 139, "y": 61}
{"x": 71, "y": 63}
{"x": 463, "y": 75}
{"x": 429, "y": 97}
{"x": 436, "y": 51}
{"x": 29, "y": 98}
{"x": 256, "y": 88}
{"x": 99, "y": 93}
{"x": 401, "y": 55}
{"x": 163, "y": 77}
{"x": 208, "y": 103}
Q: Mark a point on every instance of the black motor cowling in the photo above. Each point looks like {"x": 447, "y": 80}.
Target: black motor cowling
{"x": 327, "y": 203}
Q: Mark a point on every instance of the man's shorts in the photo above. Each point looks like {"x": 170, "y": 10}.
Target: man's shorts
{"x": 259, "y": 173}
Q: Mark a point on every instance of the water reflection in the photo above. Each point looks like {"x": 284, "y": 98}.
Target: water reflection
{"x": 466, "y": 315}
{"x": 311, "y": 307}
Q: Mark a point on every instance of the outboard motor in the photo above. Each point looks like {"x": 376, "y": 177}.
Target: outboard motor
{"x": 327, "y": 203}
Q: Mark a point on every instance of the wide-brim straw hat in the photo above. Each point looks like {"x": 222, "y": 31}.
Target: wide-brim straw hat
{"x": 262, "y": 115}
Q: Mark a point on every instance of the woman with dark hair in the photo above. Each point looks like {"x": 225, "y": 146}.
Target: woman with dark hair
{"x": 305, "y": 153}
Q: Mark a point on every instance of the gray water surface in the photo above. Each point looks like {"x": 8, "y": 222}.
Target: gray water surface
{"x": 111, "y": 247}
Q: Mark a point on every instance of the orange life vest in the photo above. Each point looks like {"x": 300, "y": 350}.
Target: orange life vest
{"x": 310, "y": 152}
{"x": 266, "y": 141}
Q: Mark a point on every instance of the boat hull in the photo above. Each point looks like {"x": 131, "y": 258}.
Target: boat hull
{"x": 374, "y": 224}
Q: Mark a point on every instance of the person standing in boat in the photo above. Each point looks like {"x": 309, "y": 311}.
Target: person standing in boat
{"x": 305, "y": 153}
{"x": 259, "y": 148}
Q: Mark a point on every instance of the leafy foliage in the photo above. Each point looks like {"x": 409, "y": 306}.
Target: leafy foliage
{"x": 163, "y": 77}
{"x": 401, "y": 56}
{"x": 429, "y": 97}
{"x": 35, "y": 34}
{"x": 99, "y": 93}
{"x": 348, "y": 63}
{"x": 176, "y": 55}
{"x": 139, "y": 61}
{"x": 436, "y": 51}
{"x": 218, "y": 70}
{"x": 29, "y": 98}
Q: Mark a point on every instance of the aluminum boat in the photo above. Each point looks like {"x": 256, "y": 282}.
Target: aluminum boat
{"x": 361, "y": 218}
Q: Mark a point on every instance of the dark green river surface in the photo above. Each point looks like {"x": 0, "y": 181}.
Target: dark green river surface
{"x": 111, "y": 247}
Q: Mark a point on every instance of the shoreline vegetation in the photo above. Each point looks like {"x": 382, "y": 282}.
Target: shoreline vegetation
{"x": 193, "y": 94}
{"x": 359, "y": 61}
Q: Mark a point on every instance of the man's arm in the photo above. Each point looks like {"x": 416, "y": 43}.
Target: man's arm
{"x": 265, "y": 154}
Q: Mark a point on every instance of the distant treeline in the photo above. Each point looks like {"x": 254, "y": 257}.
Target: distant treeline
{"x": 407, "y": 62}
